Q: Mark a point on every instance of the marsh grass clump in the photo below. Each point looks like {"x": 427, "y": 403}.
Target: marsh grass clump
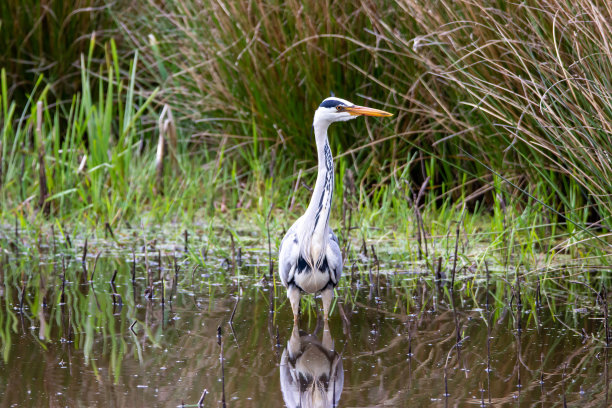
{"x": 46, "y": 38}
{"x": 246, "y": 76}
{"x": 76, "y": 156}
{"x": 528, "y": 94}
{"x": 513, "y": 98}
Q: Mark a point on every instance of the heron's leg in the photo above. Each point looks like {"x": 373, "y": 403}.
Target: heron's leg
{"x": 327, "y": 295}
{"x": 294, "y": 297}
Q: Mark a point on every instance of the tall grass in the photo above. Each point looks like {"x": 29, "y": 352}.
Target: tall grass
{"x": 92, "y": 161}
{"x": 518, "y": 93}
{"x": 528, "y": 90}
{"x": 47, "y": 38}
{"x": 77, "y": 158}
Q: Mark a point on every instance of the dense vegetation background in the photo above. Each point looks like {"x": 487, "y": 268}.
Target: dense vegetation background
{"x": 498, "y": 105}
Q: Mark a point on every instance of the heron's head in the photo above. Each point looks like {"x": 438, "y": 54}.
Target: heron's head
{"x": 335, "y": 109}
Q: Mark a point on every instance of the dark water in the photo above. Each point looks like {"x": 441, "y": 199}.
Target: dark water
{"x": 390, "y": 344}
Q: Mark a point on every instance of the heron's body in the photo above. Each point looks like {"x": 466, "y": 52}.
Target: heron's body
{"x": 310, "y": 259}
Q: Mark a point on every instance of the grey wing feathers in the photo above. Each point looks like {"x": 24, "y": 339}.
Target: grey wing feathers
{"x": 333, "y": 237}
{"x": 334, "y": 258}
{"x": 288, "y": 256}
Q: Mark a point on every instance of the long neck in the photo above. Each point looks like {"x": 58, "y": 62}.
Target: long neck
{"x": 314, "y": 231}
{"x": 320, "y": 204}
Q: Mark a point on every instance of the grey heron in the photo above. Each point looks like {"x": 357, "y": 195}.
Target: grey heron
{"x": 310, "y": 259}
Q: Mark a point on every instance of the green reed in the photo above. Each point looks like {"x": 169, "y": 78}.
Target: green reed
{"x": 492, "y": 101}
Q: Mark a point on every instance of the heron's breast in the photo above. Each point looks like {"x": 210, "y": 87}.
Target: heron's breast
{"x": 312, "y": 280}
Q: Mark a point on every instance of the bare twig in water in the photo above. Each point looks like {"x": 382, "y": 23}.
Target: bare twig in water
{"x": 438, "y": 276}
{"x": 419, "y": 216}
{"x": 231, "y": 320}
{"x": 84, "y": 261}
{"x": 52, "y": 237}
{"x": 62, "y": 297}
{"x": 271, "y": 263}
{"x": 604, "y": 297}
{"x": 133, "y": 265}
{"x": 163, "y": 289}
{"x": 489, "y": 322}
{"x": 606, "y": 381}
{"x": 538, "y": 299}
{"x": 220, "y": 342}
{"x": 487, "y": 288}
{"x": 201, "y": 400}
{"x": 542, "y": 374}
{"x": 23, "y": 292}
{"x": 377, "y": 263}
{"x": 159, "y": 265}
{"x": 233, "y": 250}
{"x": 91, "y": 278}
{"x": 186, "y": 235}
{"x": 108, "y": 228}
{"x": 91, "y": 281}
{"x": 446, "y": 393}
{"x": 43, "y": 204}
{"x": 364, "y": 246}
{"x": 454, "y": 270}
{"x": 149, "y": 290}
{"x": 519, "y": 304}
{"x": 563, "y": 385}
{"x": 174, "y": 281}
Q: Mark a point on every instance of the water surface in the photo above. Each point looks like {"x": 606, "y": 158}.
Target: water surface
{"x": 392, "y": 340}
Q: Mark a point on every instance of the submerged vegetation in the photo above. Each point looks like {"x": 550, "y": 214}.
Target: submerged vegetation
{"x": 140, "y": 325}
{"x": 175, "y": 163}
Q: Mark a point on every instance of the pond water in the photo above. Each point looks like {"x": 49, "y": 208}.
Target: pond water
{"x": 391, "y": 341}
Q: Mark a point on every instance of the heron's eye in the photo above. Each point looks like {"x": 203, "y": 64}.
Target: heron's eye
{"x": 339, "y": 108}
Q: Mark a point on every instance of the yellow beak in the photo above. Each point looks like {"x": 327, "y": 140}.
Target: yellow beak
{"x": 362, "y": 110}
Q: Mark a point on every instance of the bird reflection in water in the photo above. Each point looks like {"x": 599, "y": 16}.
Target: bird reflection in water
{"x": 311, "y": 372}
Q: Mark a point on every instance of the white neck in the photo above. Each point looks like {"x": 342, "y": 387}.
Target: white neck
{"x": 320, "y": 203}
{"x": 317, "y": 214}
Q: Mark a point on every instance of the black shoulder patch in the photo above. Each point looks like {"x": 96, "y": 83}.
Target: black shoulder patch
{"x": 330, "y": 103}
{"x": 301, "y": 264}
{"x": 324, "y": 266}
